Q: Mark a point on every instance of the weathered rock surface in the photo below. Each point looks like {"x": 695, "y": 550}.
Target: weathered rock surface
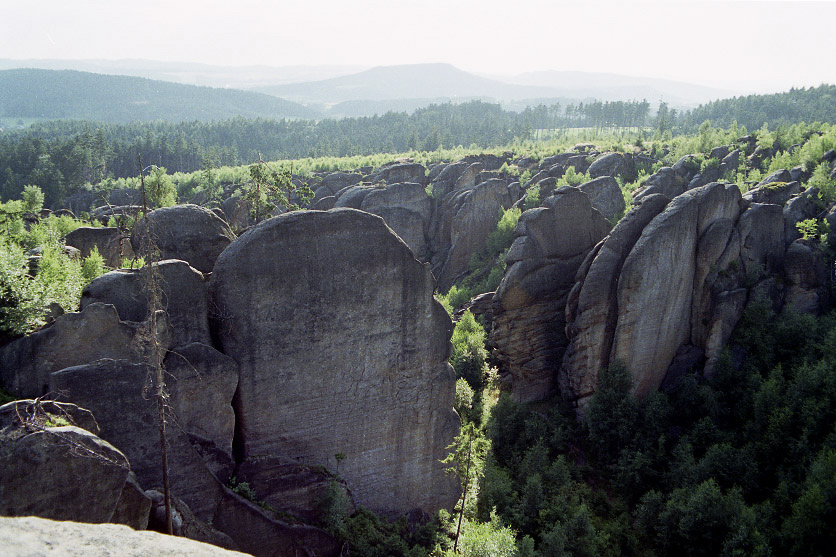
{"x": 182, "y": 290}
{"x": 592, "y": 309}
{"x": 776, "y": 193}
{"x": 615, "y": 165}
{"x": 407, "y": 210}
{"x": 133, "y": 507}
{"x": 258, "y": 534}
{"x": 285, "y": 484}
{"x": 401, "y": 172}
{"x": 39, "y": 536}
{"x": 56, "y": 472}
{"x": 606, "y": 196}
{"x": 187, "y": 232}
{"x": 74, "y": 339}
{"x": 201, "y": 385}
{"x": 323, "y": 372}
{"x": 807, "y": 275}
{"x": 528, "y": 315}
{"x": 107, "y": 240}
{"x": 671, "y": 181}
{"x": 803, "y": 206}
{"x": 114, "y": 390}
{"x": 479, "y": 209}
{"x": 656, "y": 287}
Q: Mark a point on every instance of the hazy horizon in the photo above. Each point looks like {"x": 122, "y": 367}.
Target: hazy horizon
{"x": 750, "y": 46}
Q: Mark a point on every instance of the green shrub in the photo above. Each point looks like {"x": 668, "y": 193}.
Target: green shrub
{"x": 469, "y": 354}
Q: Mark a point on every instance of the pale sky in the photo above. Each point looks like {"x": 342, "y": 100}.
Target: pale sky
{"x": 760, "y": 45}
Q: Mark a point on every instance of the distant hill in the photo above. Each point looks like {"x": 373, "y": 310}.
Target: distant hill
{"x": 65, "y": 94}
{"x": 442, "y": 81}
{"x": 190, "y": 73}
{"x": 413, "y": 81}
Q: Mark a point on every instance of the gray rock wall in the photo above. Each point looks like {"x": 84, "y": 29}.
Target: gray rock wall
{"x": 342, "y": 349}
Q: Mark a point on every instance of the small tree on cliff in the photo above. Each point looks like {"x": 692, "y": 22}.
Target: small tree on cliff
{"x": 271, "y": 188}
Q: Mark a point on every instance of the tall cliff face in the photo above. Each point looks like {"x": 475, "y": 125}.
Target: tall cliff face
{"x": 342, "y": 349}
{"x": 664, "y": 291}
{"x": 550, "y": 244}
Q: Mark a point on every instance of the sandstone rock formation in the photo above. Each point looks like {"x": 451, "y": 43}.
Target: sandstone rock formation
{"x": 51, "y": 467}
{"x": 592, "y": 308}
{"x": 182, "y": 290}
{"x": 74, "y": 339}
{"x": 327, "y": 366}
{"x": 528, "y": 315}
{"x": 115, "y": 391}
{"x": 188, "y": 232}
{"x": 606, "y": 196}
{"x": 107, "y": 240}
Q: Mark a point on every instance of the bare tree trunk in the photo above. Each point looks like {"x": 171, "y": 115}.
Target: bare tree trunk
{"x": 464, "y": 493}
{"x": 156, "y": 355}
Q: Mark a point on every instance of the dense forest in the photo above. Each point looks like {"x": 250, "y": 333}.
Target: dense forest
{"x": 48, "y": 94}
{"x": 67, "y": 155}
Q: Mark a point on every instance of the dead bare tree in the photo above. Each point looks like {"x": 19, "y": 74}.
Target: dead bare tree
{"x": 154, "y": 354}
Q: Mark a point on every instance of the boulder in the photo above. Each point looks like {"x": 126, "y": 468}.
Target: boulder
{"x": 133, "y": 507}
{"x": 606, "y": 196}
{"x": 38, "y": 536}
{"x": 528, "y": 325}
{"x": 730, "y": 162}
{"x": 182, "y": 290}
{"x": 443, "y": 183}
{"x": 187, "y": 232}
{"x": 467, "y": 179}
{"x": 401, "y": 172}
{"x": 73, "y": 339}
{"x": 720, "y": 152}
{"x": 339, "y": 180}
{"x": 108, "y": 241}
{"x": 56, "y": 471}
{"x": 325, "y": 368}
{"x": 613, "y": 164}
{"x": 781, "y": 175}
{"x": 117, "y": 394}
{"x": 238, "y": 212}
{"x": 407, "y": 210}
{"x": 183, "y": 522}
{"x": 775, "y": 193}
{"x": 353, "y": 196}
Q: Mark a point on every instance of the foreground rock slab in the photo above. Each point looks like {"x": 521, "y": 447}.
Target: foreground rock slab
{"x": 39, "y": 536}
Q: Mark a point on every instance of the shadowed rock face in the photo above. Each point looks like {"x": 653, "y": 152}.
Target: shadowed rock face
{"x": 528, "y": 314}
{"x": 187, "y": 232}
{"x": 663, "y": 293}
{"x": 182, "y": 293}
{"x": 114, "y": 390}
{"x": 74, "y": 339}
{"x": 592, "y": 310}
{"x": 342, "y": 349}
{"x": 64, "y": 473}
